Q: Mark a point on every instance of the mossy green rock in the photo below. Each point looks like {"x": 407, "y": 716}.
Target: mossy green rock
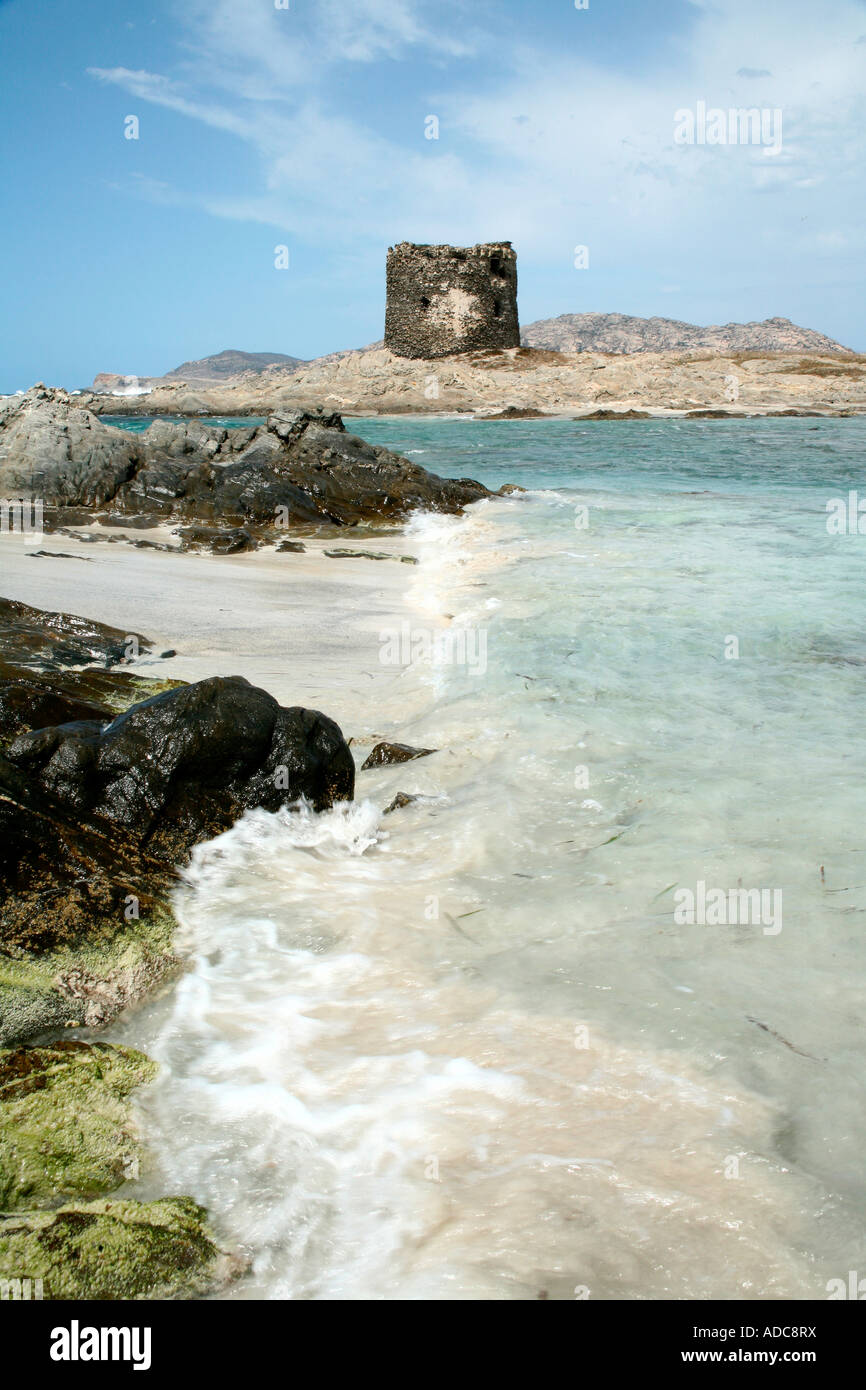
{"x": 66, "y": 1127}
{"x": 116, "y": 1250}
{"x": 86, "y": 984}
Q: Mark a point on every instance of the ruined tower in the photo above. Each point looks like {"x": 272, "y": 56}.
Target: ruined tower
{"x": 447, "y": 299}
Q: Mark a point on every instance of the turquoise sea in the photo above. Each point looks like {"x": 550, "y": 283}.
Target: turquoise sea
{"x": 587, "y": 1018}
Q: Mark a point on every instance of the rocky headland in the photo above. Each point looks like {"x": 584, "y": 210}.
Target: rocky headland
{"x": 564, "y": 383}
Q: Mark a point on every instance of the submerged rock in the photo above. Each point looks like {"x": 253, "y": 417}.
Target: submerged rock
{"x": 116, "y": 1250}
{"x": 66, "y": 1127}
{"x": 401, "y": 800}
{"x": 385, "y": 753}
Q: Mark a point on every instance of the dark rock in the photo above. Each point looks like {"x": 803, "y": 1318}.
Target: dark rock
{"x": 219, "y": 542}
{"x": 515, "y": 412}
{"x": 34, "y": 637}
{"x": 797, "y": 414}
{"x": 98, "y": 809}
{"x": 616, "y": 415}
{"x": 301, "y": 467}
{"x": 385, "y": 753}
{"x": 57, "y": 555}
{"x": 296, "y": 547}
{"x": 340, "y": 554}
{"x": 29, "y": 701}
{"x": 143, "y": 522}
{"x": 400, "y": 800}
{"x": 183, "y": 766}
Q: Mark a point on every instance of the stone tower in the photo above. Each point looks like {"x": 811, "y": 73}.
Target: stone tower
{"x": 447, "y": 299}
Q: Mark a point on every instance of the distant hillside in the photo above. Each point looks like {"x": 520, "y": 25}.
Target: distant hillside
{"x": 623, "y": 333}
{"x": 232, "y": 362}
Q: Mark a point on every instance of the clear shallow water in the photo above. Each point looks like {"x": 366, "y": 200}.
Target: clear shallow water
{"x": 139, "y": 423}
{"x": 467, "y": 1050}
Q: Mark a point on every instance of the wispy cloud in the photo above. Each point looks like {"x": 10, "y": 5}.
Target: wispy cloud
{"x": 552, "y": 152}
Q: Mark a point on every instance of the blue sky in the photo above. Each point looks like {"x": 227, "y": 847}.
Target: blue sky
{"x": 305, "y": 127}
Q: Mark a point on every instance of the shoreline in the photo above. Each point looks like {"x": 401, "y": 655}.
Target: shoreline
{"x": 310, "y": 637}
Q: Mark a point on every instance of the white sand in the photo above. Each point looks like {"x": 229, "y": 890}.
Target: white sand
{"x": 303, "y": 626}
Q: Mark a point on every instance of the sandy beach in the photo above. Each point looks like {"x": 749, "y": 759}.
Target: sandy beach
{"x": 303, "y": 626}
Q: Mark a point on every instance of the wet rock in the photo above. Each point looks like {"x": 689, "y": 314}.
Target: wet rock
{"x": 233, "y": 541}
{"x": 400, "y": 800}
{"x": 183, "y": 766}
{"x": 56, "y": 555}
{"x": 66, "y": 1125}
{"x": 341, "y": 554}
{"x": 102, "y": 800}
{"x": 35, "y": 637}
{"x": 29, "y": 702}
{"x": 115, "y": 1249}
{"x": 385, "y": 753}
{"x": 296, "y": 547}
{"x": 87, "y": 981}
{"x": 35, "y": 699}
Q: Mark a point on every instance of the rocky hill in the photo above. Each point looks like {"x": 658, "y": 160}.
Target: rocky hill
{"x": 232, "y": 362}
{"x": 230, "y": 365}
{"x": 623, "y": 333}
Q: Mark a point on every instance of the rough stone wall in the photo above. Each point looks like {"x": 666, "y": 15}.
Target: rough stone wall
{"x": 446, "y": 299}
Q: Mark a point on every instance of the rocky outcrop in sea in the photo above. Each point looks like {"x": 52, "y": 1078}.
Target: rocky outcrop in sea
{"x": 300, "y": 467}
